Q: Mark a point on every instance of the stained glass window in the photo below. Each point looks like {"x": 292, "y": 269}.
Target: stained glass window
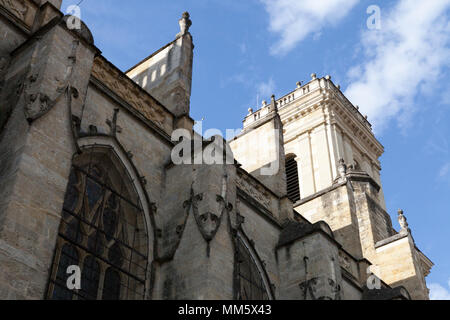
{"x": 251, "y": 285}
{"x": 102, "y": 231}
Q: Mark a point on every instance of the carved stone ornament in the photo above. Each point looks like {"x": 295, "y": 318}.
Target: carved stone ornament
{"x": 41, "y": 99}
{"x": 185, "y": 23}
{"x": 209, "y": 220}
{"x": 344, "y": 261}
{"x": 114, "y": 128}
{"x": 313, "y": 287}
{"x": 17, "y": 7}
{"x": 126, "y": 89}
{"x": 253, "y": 189}
{"x": 342, "y": 168}
{"x": 403, "y": 223}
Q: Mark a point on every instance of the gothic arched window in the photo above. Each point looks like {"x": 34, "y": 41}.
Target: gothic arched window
{"x": 250, "y": 281}
{"x": 102, "y": 231}
{"x": 292, "y": 179}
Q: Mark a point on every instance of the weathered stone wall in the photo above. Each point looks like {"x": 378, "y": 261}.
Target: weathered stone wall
{"x": 265, "y": 234}
{"x": 36, "y": 158}
{"x": 399, "y": 265}
{"x": 336, "y": 207}
{"x": 55, "y": 96}
{"x": 167, "y": 74}
{"x": 126, "y": 92}
{"x": 203, "y": 263}
{"x": 260, "y": 150}
{"x": 150, "y": 151}
{"x": 309, "y": 269}
{"x": 350, "y": 291}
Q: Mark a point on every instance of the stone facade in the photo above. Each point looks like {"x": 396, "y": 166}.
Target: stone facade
{"x": 86, "y": 148}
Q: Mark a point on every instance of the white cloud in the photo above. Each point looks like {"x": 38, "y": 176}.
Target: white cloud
{"x": 294, "y": 20}
{"x": 445, "y": 169}
{"x": 266, "y": 89}
{"x": 438, "y": 292}
{"x": 405, "y": 57}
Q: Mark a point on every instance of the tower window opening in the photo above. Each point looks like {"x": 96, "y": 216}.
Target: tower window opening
{"x": 292, "y": 179}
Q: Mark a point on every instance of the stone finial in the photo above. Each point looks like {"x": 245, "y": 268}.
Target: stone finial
{"x": 299, "y": 84}
{"x": 313, "y": 76}
{"x": 403, "y": 222}
{"x": 264, "y": 103}
{"x": 342, "y": 169}
{"x": 185, "y": 23}
{"x": 357, "y": 107}
{"x": 328, "y": 77}
{"x": 339, "y": 87}
{"x": 250, "y": 111}
{"x": 273, "y": 103}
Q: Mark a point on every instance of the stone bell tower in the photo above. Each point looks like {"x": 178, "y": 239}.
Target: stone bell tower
{"x": 332, "y": 163}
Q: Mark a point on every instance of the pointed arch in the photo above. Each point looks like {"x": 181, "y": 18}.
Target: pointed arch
{"x": 107, "y": 218}
{"x": 251, "y": 280}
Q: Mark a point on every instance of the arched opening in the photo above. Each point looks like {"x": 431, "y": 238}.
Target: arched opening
{"x": 102, "y": 231}
{"x": 292, "y": 178}
{"x": 251, "y": 280}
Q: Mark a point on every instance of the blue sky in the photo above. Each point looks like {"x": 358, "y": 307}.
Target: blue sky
{"x": 247, "y": 50}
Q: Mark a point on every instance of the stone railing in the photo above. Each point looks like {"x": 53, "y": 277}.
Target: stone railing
{"x": 301, "y": 91}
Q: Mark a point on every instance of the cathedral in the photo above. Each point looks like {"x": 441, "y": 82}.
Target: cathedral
{"x": 107, "y": 192}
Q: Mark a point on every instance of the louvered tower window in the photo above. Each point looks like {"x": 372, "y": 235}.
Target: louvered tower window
{"x": 293, "y": 185}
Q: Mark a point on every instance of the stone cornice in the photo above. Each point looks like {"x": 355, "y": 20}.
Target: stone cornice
{"x": 150, "y": 124}
{"x": 319, "y": 194}
{"x": 116, "y": 81}
{"x": 257, "y": 206}
{"x": 22, "y": 11}
{"x": 354, "y": 128}
{"x": 322, "y": 93}
{"x": 254, "y": 183}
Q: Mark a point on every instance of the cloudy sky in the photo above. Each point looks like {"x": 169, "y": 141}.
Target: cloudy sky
{"x": 395, "y": 68}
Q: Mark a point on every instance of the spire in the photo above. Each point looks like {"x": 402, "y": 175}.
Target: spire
{"x": 185, "y": 23}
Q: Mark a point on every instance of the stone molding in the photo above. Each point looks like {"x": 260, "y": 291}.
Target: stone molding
{"x": 23, "y": 10}
{"x": 254, "y": 189}
{"x": 130, "y": 92}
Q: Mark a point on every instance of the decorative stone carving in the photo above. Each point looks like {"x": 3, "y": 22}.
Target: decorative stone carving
{"x": 38, "y": 102}
{"x": 312, "y": 288}
{"x": 208, "y": 220}
{"x": 239, "y": 220}
{"x": 342, "y": 169}
{"x": 185, "y": 23}
{"x": 344, "y": 262}
{"x": 180, "y": 99}
{"x": 255, "y": 190}
{"x": 17, "y": 7}
{"x": 403, "y": 223}
{"x": 126, "y": 89}
{"x": 114, "y": 128}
